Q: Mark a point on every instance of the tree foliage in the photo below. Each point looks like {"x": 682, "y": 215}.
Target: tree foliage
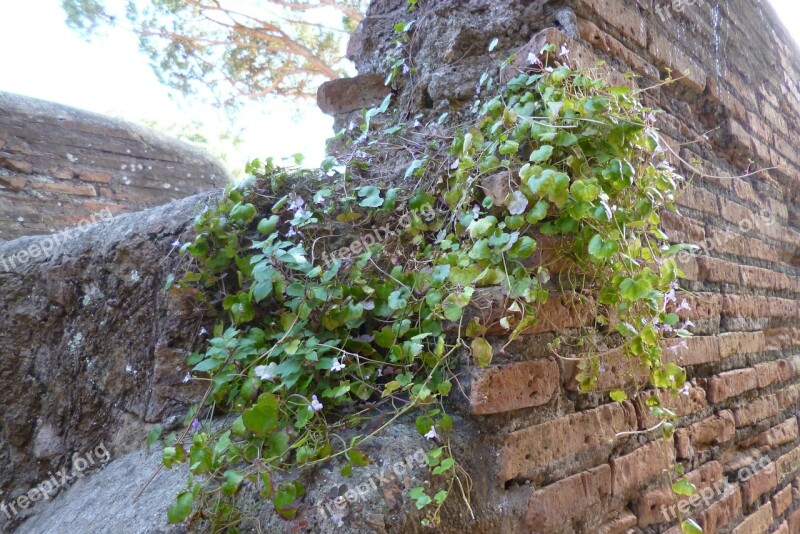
{"x": 234, "y": 49}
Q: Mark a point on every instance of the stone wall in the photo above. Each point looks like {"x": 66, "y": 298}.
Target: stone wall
{"x": 59, "y": 166}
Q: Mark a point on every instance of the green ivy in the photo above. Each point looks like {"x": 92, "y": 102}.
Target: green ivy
{"x": 305, "y": 346}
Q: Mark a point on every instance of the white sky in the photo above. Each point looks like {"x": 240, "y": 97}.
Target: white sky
{"x": 43, "y": 58}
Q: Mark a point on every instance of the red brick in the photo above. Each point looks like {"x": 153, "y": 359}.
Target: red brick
{"x": 62, "y": 173}
{"x": 351, "y": 94}
{"x": 704, "y": 434}
{"x": 17, "y": 165}
{"x": 699, "y": 199}
{"x": 563, "y": 311}
{"x": 93, "y": 176}
{"x": 788, "y": 464}
{"x": 669, "y": 56}
{"x": 718, "y": 271}
{"x": 618, "y": 15}
{"x": 794, "y": 521}
{"x": 678, "y": 403}
{"x": 617, "y": 371}
{"x": 735, "y": 343}
{"x": 703, "y": 306}
{"x": 651, "y": 505}
{"x": 681, "y": 229}
{"x": 773, "y": 372}
{"x": 554, "y": 506}
{"x": 695, "y": 350}
{"x": 514, "y": 386}
{"x": 526, "y": 450}
{"x": 757, "y": 410}
{"x": 633, "y": 470}
{"x": 788, "y": 396}
{"x": 618, "y": 522}
{"x": 781, "y": 501}
{"x": 756, "y": 523}
{"x": 13, "y": 182}
{"x": 774, "y": 437}
{"x": 66, "y": 188}
{"x": 731, "y": 384}
{"x": 559, "y": 312}
{"x": 609, "y": 45}
{"x": 761, "y": 482}
{"x": 745, "y": 306}
{"x": 783, "y": 307}
{"x": 719, "y": 514}
{"x": 779, "y": 338}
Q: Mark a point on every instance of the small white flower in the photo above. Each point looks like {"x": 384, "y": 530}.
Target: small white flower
{"x": 564, "y": 51}
{"x": 337, "y": 365}
{"x": 316, "y": 405}
{"x": 685, "y": 389}
{"x": 669, "y": 297}
{"x": 203, "y": 332}
{"x": 187, "y": 378}
{"x": 683, "y": 306}
{"x": 687, "y": 324}
{"x": 177, "y": 243}
{"x": 432, "y": 434}
{"x": 267, "y": 372}
{"x": 380, "y": 371}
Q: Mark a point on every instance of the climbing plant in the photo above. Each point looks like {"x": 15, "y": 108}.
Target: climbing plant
{"x": 322, "y": 327}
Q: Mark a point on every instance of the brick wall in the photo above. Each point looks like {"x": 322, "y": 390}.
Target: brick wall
{"x": 59, "y": 166}
{"x": 560, "y": 452}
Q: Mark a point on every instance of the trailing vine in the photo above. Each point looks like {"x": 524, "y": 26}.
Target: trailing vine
{"x": 323, "y": 326}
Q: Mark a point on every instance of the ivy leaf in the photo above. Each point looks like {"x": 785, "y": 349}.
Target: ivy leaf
{"x": 232, "y": 481}
{"x": 267, "y": 226}
{"x": 626, "y": 329}
{"x": 481, "y": 352}
{"x": 372, "y": 197}
{"x": 565, "y": 139}
{"x": 509, "y": 147}
{"x": 600, "y": 248}
{"x": 585, "y": 190}
{"x": 538, "y": 212}
{"x": 635, "y": 289}
{"x": 481, "y": 227}
{"x": 689, "y": 526}
{"x": 543, "y": 153}
{"x": 153, "y": 436}
{"x": 262, "y": 417}
{"x": 180, "y": 510}
{"x": 618, "y": 395}
{"x": 684, "y": 487}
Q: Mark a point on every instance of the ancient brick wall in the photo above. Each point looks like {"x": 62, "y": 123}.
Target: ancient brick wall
{"x": 736, "y": 112}
{"x": 542, "y": 456}
{"x": 61, "y": 167}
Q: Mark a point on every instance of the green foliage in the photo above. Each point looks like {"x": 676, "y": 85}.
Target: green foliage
{"x": 307, "y": 344}
{"x": 234, "y": 49}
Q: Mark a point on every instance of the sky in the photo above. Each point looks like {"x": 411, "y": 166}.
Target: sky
{"x": 43, "y": 58}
